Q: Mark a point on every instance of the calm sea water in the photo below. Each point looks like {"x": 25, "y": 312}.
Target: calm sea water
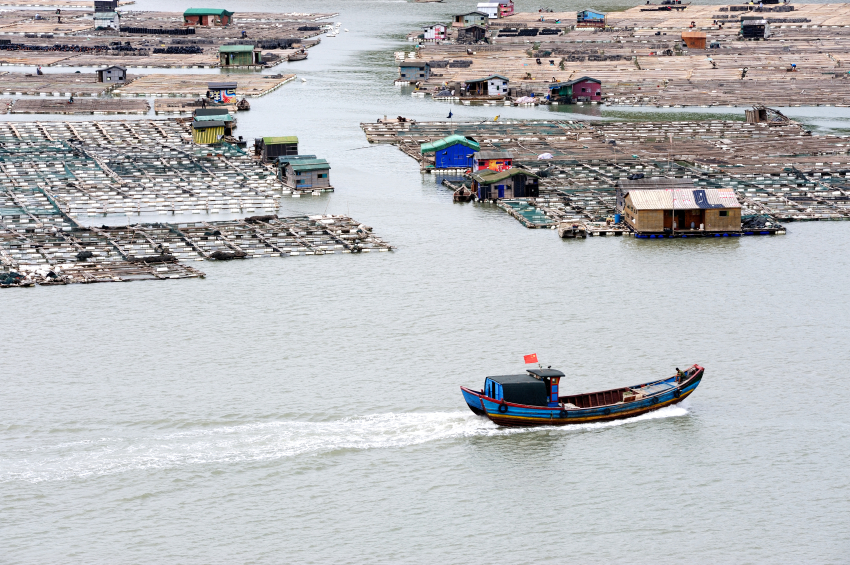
{"x": 306, "y": 410}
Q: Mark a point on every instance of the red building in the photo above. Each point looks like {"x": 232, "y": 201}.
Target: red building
{"x": 207, "y": 17}
{"x": 493, "y": 160}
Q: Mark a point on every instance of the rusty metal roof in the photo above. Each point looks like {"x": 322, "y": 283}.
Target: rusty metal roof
{"x": 683, "y": 199}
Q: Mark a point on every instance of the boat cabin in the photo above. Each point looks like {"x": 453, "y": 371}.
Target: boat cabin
{"x": 538, "y": 388}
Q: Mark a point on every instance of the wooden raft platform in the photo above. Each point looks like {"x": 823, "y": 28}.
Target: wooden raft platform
{"x": 780, "y": 171}
{"x": 196, "y": 85}
{"x": 80, "y": 106}
{"x": 45, "y": 247}
{"x": 52, "y": 84}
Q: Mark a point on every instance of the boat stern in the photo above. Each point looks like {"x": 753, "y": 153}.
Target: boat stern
{"x": 473, "y": 400}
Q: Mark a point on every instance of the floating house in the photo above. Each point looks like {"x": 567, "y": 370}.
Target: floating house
{"x": 107, "y": 20}
{"x": 222, "y": 92}
{"x": 493, "y": 85}
{"x": 452, "y": 152}
{"x": 304, "y": 172}
{"x": 755, "y": 29}
{"x": 590, "y": 18}
{"x": 584, "y": 89}
{"x": 506, "y": 8}
{"x": 207, "y": 17}
{"x": 493, "y": 160}
{"x": 510, "y": 183}
{"x": 489, "y": 8}
{"x": 470, "y": 18}
{"x": 694, "y": 39}
{"x": 692, "y": 210}
{"x": 436, "y": 32}
{"x": 207, "y": 132}
{"x": 113, "y": 74}
{"x": 412, "y": 71}
{"x": 239, "y": 55}
{"x": 270, "y": 148}
{"x": 216, "y": 115}
{"x": 472, "y": 33}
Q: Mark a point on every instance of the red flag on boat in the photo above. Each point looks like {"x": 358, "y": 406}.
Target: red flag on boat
{"x": 531, "y": 358}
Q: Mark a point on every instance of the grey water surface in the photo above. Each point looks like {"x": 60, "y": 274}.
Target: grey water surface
{"x": 307, "y": 410}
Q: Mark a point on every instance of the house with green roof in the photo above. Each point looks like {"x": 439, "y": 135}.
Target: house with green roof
{"x": 304, "y": 172}
{"x": 270, "y": 148}
{"x": 207, "y": 17}
{"x": 511, "y": 183}
{"x": 239, "y": 55}
{"x": 452, "y": 152}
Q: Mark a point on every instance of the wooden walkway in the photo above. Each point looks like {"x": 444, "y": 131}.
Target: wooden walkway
{"x": 196, "y": 85}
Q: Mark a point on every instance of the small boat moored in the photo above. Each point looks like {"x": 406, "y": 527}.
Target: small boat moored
{"x": 299, "y": 55}
{"x": 532, "y": 399}
{"x": 572, "y": 230}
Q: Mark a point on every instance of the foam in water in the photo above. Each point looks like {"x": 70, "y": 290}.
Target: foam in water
{"x": 263, "y": 442}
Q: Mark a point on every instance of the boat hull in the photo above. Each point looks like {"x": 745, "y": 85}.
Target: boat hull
{"x": 518, "y": 415}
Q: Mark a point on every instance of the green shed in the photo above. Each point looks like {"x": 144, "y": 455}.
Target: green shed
{"x": 239, "y": 55}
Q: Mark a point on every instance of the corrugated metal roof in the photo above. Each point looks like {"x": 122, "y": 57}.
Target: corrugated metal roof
{"x": 209, "y": 124}
{"x": 494, "y": 155}
{"x": 683, "y": 199}
{"x": 487, "y": 176}
{"x": 448, "y": 142}
{"x": 221, "y": 85}
{"x": 207, "y": 12}
{"x": 310, "y": 165}
{"x": 485, "y": 79}
{"x": 236, "y": 48}
{"x": 213, "y": 118}
{"x": 651, "y": 199}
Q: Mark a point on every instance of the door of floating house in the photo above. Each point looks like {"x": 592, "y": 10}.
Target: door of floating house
{"x": 239, "y": 55}
{"x": 207, "y": 132}
{"x": 452, "y": 152}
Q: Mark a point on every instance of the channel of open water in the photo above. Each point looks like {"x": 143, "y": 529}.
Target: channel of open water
{"x": 307, "y": 410}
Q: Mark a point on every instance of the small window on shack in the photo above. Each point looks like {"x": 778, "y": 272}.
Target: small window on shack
{"x": 724, "y": 212}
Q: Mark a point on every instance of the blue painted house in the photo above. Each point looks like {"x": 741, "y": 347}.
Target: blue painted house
{"x": 590, "y": 18}
{"x": 452, "y": 152}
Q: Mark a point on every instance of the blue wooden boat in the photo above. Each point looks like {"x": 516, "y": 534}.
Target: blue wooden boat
{"x": 532, "y": 399}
